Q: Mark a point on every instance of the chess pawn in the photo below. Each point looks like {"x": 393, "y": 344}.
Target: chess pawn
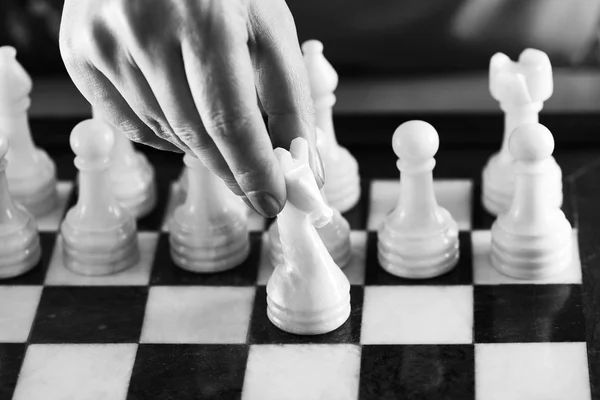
{"x": 208, "y": 232}
{"x": 342, "y": 180}
{"x": 419, "y": 239}
{"x": 307, "y": 293}
{"x": 20, "y": 248}
{"x": 521, "y": 88}
{"x": 30, "y": 172}
{"x": 533, "y": 239}
{"x": 99, "y": 235}
{"x": 335, "y": 235}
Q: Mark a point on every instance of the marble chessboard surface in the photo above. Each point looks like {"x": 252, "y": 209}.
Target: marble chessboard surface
{"x": 158, "y": 332}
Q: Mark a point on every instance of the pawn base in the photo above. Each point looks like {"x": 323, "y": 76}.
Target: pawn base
{"x": 135, "y": 190}
{"x": 342, "y": 185}
{"x": 529, "y": 256}
{"x": 316, "y": 322}
{"x": 406, "y": 255}
{"x": 202, "y": 249}
{"x": 21, "y": 250}
{"x": 96, "y": 253}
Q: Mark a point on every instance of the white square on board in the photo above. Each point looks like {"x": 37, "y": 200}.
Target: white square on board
{"x": 549, "y": 371}
{"x": 137, "y": 275}
{"x": 301, "y": 372}
{"x": 76, "y": 371}
{"x": 18, "y": 305}
{"x": 455, "y": 195}
{"x": 417, "y": 315}
{"x": 197, "y": 314}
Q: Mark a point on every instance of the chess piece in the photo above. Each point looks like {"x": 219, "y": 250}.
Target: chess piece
{"x": 533, "y": 240}
{"x": 521, "y": 88}
{"x": 342, "y": 181}
{"x": 20, "y": 248}
{"x": 99, "y": 235}
{"x": 335, "y": 235}
{"x": 131, "y": 176}
{"x": 30, "y": 172}
{"x": 307, "y": 293}
{"x": 208, "y": 232}
{"x": 419, "y": 239}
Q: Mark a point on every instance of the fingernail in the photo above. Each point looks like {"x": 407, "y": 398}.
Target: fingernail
{"x": 245, "y": 199}
{"x": 320, "y": 170}
{"x": 265, "y": 203}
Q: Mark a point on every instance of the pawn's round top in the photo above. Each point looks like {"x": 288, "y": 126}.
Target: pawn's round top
{"x": 531, "y": 142}
{"x": 3, "y": 146}
{"x": 415, "y": 140}
{"x": 312, "y": 46}
{"x": 92, "y": 139}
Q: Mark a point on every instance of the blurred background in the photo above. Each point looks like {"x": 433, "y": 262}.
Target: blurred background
{"x": 416, "y": 42}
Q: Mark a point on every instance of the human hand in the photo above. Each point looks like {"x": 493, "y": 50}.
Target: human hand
{"x": 184, "y": 75}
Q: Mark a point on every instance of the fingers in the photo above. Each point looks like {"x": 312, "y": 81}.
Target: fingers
{"x": 222, "y": 86}
{"x": 281, "y": 78}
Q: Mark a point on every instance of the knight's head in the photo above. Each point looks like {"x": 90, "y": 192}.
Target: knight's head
{"x": 302, "y": 190}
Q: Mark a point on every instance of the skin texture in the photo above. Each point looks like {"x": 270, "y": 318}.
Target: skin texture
{"x": 191, "y": 76}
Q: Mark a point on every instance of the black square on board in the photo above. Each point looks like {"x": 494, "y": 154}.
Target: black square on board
{"x": 90, "y": 315}
{"x": 262, "y": 331}
{"x": 165, "y": 272}
{"x": 37, "y": 274}
{"x": 11, "y": 359}
{"x": 185, "y": 371}
{"x": 528, "y": 313}
{"x": 461, "y": 274}
{"x": 417, "y": 372}
{"x": 357, "y": 215}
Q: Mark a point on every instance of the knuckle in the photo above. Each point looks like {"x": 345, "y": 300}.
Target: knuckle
{"x": 229, "y": 126}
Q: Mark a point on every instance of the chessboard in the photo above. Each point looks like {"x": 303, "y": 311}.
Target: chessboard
{"x": 156, "y": 331}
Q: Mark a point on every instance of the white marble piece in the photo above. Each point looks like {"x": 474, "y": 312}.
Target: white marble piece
{"x": 455, "y": 195}
{"x": 355, "y": 270}
{"x": 484, "y": 272}
{"x": 256, "y": 222}
{"x": 76, "y": 371}
{"x": 51, "y": 221}
{"x": 548, "y": 371}
{"x": 417, "y": 315}
{"x": 18, "y": 305}
{"x": 138, "y": 274}
{"x": 200, "y": 314}
{"x": 302, "y": 372}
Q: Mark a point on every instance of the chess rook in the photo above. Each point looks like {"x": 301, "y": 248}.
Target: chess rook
{"x": 533, "y": 239}
{"x": 208, "y": 232}
{"x": 99, "y": 235}
{"x": 307, "y": 293}
{"x": 419, "y": 239}
{"x": 521, "y": 88}
{"x": 20, "y": 248}
{"x": 342, "y": 181}
{"x": 30, "y": 172}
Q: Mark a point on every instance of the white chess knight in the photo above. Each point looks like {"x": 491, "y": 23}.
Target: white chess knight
{"x": 521, "y": 88}
{"x": 533, "y": 239}
{"x": 307, "y": 293}
{"x": 99, "y": 235}
{"x": 20, "y": 248}
{"x": 31, "y": 173}
{"x": 208, "y": 232}
{"x": 419, "y": 239}
{"x": 342, "y": 180}
{"x": 335, "y": 234}
{"x": 131, "y": 175}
